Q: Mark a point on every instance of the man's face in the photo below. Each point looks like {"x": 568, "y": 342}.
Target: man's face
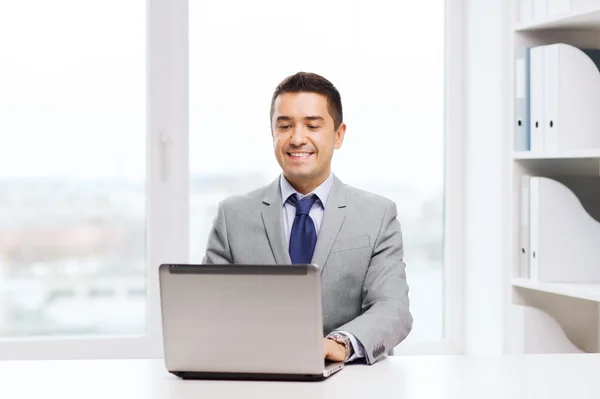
{"x": 304, "y": 137}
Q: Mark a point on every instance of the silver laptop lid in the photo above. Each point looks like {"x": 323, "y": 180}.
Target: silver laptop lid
{"x": 242, "y": 318}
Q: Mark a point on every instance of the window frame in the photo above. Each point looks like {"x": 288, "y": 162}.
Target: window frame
{"x": 454, "y": 188}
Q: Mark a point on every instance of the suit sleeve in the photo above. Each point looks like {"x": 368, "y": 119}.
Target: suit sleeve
{"x": 217, "y": 246}
{"x": 385, "y": 320}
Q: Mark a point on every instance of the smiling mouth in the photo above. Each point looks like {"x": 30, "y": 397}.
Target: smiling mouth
{"x": 299, "y": 155}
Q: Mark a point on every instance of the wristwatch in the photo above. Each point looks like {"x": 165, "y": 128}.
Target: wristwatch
{"x": 342, "y": 340}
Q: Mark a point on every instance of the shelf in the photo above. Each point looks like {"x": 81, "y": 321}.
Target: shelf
{"x": 584, "y": 20}
{"x": 582, "y": 162}
{"x": 590, "y": 292}
{"x": 579, "y": 154}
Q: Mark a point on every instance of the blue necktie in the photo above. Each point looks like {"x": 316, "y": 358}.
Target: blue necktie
{"x": 304, "y": 235}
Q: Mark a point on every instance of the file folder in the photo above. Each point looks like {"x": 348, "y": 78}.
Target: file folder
{"x": 552, "y": 94}
{"x": 522, "y": 100}
{"x": 536, "y": 120}
{"x": 524, "y": 229}
{"x": 571, "y": 97}
{"x": 564, "y": 237}
{"x": 534, "y": 223}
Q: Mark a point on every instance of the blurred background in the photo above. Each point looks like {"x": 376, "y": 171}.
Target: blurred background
{"x": 73, "y": 126}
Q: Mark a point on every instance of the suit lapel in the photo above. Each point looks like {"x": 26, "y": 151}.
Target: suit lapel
{"x": 271, "y": 216}
{"x": 333, "y": 218}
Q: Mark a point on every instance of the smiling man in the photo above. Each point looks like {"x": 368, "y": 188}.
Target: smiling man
{"x": 307, "y": 215}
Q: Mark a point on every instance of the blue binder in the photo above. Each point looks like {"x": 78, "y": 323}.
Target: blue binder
{"x": 522, "y": 100}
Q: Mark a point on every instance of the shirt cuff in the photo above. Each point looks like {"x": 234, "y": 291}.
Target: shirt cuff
{"x": 359, "y": 350}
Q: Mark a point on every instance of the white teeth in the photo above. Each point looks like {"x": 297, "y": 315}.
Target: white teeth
{"x": 300, "y": 154}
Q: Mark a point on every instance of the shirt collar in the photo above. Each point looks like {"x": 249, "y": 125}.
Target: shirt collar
{"x": 322, "y": 191}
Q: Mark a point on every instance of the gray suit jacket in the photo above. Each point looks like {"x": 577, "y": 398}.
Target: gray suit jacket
{"x": 359, "y": 250}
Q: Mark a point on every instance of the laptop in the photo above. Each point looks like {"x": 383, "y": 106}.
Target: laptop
{"x": 240, "y": 322}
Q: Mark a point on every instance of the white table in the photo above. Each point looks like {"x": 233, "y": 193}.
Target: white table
{"x": 531, "y": 376}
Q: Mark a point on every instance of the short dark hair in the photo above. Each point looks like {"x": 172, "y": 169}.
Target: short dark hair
{"x": 312, "y": 83}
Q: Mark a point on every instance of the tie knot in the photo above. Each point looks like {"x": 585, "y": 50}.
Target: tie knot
{"x": 304, "y": 205}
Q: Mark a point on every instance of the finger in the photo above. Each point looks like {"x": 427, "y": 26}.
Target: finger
{"x": 327, "y": 350}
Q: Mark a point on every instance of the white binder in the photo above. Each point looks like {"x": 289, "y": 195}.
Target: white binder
{"x": 564, "y": 237}
{"x": 524, "y": 230}
{"x": 565, "y": 98}
{"x": 551, "y": 98}
{"x": 571, "y": 98}
{"x": 534, "y": 222}
{"x": 536, "y": 93}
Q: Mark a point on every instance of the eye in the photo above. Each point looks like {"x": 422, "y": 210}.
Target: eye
{"x": 283, "y": 127}
{"x": 313, "y": 127}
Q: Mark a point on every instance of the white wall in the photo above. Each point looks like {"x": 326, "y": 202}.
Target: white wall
{"x": 485, "y": 255}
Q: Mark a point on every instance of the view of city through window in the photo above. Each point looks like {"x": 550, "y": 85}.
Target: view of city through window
{"x": 73, "y": 127}
{"x": 72, "y": 168}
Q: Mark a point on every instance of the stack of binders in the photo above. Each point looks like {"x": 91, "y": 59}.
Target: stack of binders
{"x": 557, "y": 98}
{"x": 560, "y": 229}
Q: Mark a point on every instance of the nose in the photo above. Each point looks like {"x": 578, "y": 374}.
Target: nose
{"x": 298, "y": 136}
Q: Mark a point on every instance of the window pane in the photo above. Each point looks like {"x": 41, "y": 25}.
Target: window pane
{"x": 387, "y": 60}
{"x": 72, "y": 168}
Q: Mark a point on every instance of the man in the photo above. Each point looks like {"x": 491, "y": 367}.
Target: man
{"x": 307, "y": 215}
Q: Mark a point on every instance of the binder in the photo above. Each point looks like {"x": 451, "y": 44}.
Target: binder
{"x": 522, "y": 100}
{"x": 536, "y": 80}
{"x": 524, "y": 229}
{"x": 551, "y": 98}
{"x": 571, "y": 97}
{"x": 564, "y": 236}
{"x": 534, "y": 222}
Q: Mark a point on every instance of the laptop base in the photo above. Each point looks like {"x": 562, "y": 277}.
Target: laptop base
{"x": 194, "y": 375}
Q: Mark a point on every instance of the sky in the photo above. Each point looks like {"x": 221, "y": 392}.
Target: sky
{"x": 73, "y": 76}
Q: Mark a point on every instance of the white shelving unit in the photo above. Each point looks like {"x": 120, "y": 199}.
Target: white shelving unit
{"x": 575, "y": 154}
{"x": 589, "y": 19}
{"x": 573, "y": 307}
{"x": 589, "y": 292}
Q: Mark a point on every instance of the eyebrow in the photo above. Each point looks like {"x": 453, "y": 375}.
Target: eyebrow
{"x": 314, "y": 118}
{"x": 307, "y": 118}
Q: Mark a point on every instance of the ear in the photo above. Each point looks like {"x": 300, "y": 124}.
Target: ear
{"x": 339, "y": 136}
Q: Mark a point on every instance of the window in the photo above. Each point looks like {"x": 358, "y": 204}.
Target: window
{"x": 387, "y": 60}
{"x": 102, "y": 151}
{"x": 72, "y": 168}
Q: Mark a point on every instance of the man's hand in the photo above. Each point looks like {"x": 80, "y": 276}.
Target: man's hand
{"x": 334, "y": 351}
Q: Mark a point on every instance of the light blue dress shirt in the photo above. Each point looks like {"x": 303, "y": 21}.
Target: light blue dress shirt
{"x": 316, "y": 214}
